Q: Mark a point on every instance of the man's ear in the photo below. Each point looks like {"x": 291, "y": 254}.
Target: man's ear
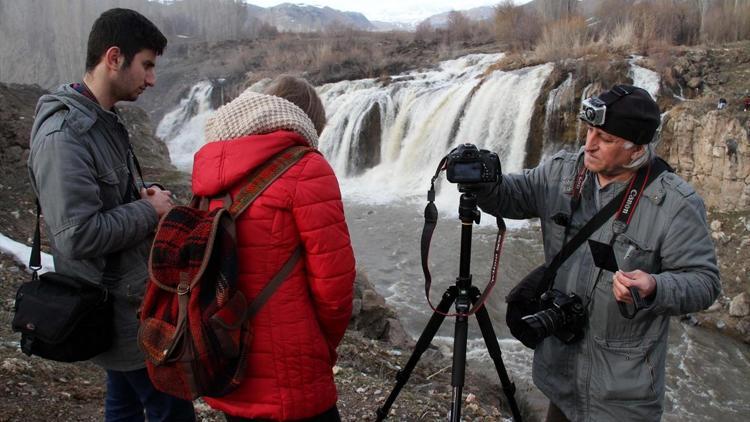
{"x": 638, "y": 152}
{"x": 113, "y": 58}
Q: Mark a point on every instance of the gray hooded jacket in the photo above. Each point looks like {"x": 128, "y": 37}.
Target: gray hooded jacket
{"x": 78, "y": 170}
{"x": 616, "y": 373}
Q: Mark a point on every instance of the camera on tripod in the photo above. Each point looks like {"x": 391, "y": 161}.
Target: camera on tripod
{"x": 467, "y": 164}
{"x": 562, "y": 315}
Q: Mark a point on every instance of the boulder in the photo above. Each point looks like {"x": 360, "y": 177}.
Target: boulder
{"x": 743, "y": 327}
{"x": 740, "y": 305}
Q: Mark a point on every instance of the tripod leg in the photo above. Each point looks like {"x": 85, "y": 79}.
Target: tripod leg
{"x": 459, "y": 356}
{"x": 493, "y": 347}
{"x": 424, "y": 341}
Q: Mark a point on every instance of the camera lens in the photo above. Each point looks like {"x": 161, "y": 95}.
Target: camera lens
{"x": 590, "y": 114}
{"x": 545, "y": 322}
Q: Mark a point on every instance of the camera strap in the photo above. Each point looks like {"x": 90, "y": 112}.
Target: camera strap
{"x": 430, "y": 222}
{"x": 623, "y": 204}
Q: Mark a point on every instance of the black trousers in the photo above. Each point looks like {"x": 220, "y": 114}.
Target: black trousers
{"x": 330, "y": 415}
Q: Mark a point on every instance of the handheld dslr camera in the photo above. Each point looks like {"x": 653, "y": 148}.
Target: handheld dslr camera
{"x": 466, "y": 164}
{"x": 593, "y": 111}
{"x": 562, "y": 315}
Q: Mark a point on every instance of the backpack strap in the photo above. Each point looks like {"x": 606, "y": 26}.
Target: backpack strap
{"x": 257, "y": 182}
{"x": 261, "y": 178}
{"x": 272, "y": 285}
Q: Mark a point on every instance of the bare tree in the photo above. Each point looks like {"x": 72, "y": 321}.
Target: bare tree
{"x": 459, "y": 27}
{"x": 518, "y": 27}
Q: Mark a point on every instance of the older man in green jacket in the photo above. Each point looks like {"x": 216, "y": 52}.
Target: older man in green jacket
{"x": 616, "y": 371}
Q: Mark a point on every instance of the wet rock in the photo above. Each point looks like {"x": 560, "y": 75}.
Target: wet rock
{"x": 371, "y": 300}
{"x": 366, "y": 153}
{"x": 743, "y": 327}
{"x": 740, "y": 305}
{"x": 356, "y": 307}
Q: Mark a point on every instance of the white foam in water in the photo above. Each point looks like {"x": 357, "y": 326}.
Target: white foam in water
{"x": 644, "y": 78}
{"x": 182, "y": 129}
{"x": 423, "y": 116}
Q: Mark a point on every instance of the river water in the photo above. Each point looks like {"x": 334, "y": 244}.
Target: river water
{"x": 707, "y": 373}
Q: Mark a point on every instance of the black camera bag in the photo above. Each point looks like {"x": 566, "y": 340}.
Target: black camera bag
{"x": 61, "y": 318}
{"x": 523, "y": 300}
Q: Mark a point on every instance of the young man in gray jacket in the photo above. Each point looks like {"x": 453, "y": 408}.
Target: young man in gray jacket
{"x": 99, "y": 220}
{"x": 616, "y": 371}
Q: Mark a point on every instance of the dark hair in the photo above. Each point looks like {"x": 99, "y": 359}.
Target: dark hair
{"x": 299, "y": 92}
{"x": 126, "y": 29}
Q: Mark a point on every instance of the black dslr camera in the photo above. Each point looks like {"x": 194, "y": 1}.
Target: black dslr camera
{"x": 562, "y": 315}
{"x": 467, "y": 164}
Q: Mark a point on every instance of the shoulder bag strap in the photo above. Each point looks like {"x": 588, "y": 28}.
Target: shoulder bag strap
{"x": 35, "y": 258}
{"x": 659, "y": 166}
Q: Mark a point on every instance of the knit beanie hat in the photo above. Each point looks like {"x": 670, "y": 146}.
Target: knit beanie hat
{"x": 631, "y": 114}
{"x": 254, "y": 114}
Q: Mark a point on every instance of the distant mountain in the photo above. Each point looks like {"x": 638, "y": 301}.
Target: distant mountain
{"x": 304, "y": 18}
{"x": 393, "y": 26}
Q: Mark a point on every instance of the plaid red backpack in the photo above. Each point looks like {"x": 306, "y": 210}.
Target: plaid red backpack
{"x": 195, "y": 322}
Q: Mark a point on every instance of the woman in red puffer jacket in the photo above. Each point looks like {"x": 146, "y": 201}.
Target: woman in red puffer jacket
{"x": 289, "y": 374}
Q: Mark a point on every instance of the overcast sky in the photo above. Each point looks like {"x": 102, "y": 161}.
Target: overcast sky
{"x": 392, "y": 10}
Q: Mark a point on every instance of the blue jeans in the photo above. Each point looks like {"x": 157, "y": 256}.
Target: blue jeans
{"x": 130, "y": 393}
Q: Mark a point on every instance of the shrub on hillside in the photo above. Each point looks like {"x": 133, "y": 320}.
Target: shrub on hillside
{"x": 569, "y": 38}
{"x": 516, "y": 27}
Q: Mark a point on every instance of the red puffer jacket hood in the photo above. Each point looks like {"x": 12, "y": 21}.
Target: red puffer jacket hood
{"x": 295, "y": 335}
{"x": 220, "y": 165}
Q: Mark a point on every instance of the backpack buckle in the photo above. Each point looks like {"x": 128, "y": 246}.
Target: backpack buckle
{"x": 183, "y": 289}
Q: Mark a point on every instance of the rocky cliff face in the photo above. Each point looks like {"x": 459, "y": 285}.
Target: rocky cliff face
{"x": 710, "y": 149}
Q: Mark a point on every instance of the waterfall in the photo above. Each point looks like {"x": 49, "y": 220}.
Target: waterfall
{"x": 644, "y": 78}
{"x": 416, "y": 118}
{"x": 385, "y": 139}
{"x": 182, "y": 128}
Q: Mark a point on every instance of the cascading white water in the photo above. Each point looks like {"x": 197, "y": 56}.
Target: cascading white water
{"x": 422, "y": 116}
{"x": 182, "y": 128}
{"x": 644, "y": 78}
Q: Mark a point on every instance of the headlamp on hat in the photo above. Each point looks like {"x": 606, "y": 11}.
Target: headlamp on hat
{"x": 625, "y": 111}
{"x": 593, "y": 111}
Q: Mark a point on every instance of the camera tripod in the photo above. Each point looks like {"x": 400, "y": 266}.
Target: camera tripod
{"x": 464, "y": 294}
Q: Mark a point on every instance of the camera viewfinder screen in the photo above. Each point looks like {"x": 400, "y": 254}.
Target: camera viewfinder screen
{"x": 467, "y": 172}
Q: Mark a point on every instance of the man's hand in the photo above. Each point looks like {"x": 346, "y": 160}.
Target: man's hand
{"x": 644, "y": 282}
{"x": 160, "y": 199}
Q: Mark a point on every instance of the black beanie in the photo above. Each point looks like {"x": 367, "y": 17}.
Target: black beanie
{"x": 634, "y": 116}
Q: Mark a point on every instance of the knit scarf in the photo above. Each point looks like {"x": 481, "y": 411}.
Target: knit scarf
{"x": 254, "y": 114}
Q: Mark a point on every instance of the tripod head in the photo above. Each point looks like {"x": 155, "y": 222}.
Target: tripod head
{"x": 467, "y": 208}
